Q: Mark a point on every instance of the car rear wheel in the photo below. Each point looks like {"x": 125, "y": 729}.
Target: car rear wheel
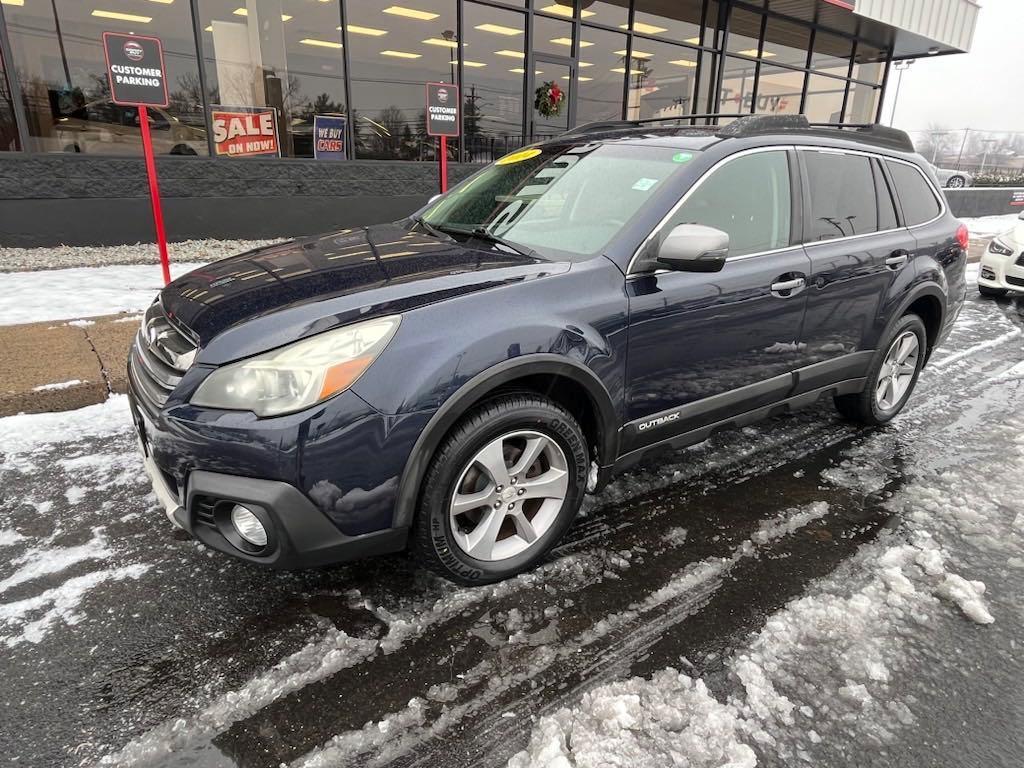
{"x": 994, "y": 293}
{"x": 892, "y": 376}
{"x": 501, "y": 491}
{"x": 956, "y": 182}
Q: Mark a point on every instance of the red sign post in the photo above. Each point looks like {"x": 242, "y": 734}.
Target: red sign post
{"x": 443, "y": 121}
{"x": 135, "y": 69}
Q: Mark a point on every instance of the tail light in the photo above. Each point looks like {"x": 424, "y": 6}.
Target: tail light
{"x": 962, "y": 236}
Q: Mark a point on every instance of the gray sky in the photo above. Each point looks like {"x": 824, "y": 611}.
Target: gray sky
{"x": 981, "y": 89}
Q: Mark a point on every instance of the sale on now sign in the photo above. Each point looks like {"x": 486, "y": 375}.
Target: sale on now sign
{"x": 245, "y": 131}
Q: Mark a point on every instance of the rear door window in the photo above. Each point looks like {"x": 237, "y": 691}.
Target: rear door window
{"x": 916, "y": 195}
{"x": 842, "y": 192}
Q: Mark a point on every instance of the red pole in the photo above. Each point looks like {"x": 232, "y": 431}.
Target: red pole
{"x": 444, "y": 164}
{"x": 154, "y": 194}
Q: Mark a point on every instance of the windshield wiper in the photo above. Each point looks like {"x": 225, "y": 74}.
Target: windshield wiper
{"x": 482, "y": 234}
{"x": 435, "y": 231}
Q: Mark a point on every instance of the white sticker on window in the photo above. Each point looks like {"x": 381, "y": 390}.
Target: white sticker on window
{"x": 644, "y": 184}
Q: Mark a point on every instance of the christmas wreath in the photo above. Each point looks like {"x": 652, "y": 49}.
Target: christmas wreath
{"x": 549, "y": 99}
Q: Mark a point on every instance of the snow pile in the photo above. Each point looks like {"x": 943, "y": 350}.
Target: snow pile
{"x": 59, "y": 385}
{"x": 25, "y": 434}
{"x": 68, "y": 294}
{"x": 41, "y": 561}
{"x": 671, "y": 719}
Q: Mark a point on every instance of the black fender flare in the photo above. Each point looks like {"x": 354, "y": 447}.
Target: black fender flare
{"x": 917, "y": 292}
{"x": 453, "y": 408}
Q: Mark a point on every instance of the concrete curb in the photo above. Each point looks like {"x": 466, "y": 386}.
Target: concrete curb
{"x": 61, "y": 366}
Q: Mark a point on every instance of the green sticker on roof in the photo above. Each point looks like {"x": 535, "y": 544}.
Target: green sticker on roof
{"x": 682, "y": 157}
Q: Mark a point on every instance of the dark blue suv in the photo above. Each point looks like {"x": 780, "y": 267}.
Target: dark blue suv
{"x": 455, "y": 382}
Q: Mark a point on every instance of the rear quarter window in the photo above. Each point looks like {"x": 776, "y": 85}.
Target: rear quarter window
{"x": 917, "y": 198}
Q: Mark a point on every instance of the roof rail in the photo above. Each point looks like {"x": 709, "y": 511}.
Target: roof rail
{"x": 752, "y": 125}
{"x": 600, "y": 126}
{"x": 882, "y": 134}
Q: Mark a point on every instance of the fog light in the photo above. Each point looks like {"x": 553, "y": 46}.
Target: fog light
{"x": 248, "y": 526}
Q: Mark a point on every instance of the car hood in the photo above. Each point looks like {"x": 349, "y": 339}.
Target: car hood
{"x": 309, "y": 285}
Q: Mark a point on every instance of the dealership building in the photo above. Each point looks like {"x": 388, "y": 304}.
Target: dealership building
{"x": 71, "y": 166}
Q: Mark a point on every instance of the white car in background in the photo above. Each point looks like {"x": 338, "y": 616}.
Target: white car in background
{"x": 953, "y": 179}
{"x": 1002, "y": 265}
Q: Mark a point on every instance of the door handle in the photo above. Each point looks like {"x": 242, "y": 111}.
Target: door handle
{"x": 896, "y": 260}
{"x": 788, "y": 285}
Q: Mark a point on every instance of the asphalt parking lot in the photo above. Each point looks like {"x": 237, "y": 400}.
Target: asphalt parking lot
{"x": 801, "y": 592}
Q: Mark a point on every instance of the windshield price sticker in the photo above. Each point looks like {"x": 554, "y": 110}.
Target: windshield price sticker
{"x": 518, "y": 157}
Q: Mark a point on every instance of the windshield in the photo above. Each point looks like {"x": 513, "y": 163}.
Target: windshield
{"x": 571, "y": 200}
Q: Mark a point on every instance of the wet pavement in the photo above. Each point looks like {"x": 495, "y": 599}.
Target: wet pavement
{"x": 808, "y": 572}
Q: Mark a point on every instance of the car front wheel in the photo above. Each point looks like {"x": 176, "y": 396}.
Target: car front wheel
{"x": 956, "y": 182}
{"x": 501, "y": 491}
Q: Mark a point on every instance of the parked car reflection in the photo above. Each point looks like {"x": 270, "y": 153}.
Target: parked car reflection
{"x": 104, "y": 128}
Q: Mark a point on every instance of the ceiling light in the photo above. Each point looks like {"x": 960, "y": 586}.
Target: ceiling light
{"x": 510, "y": 54}
{"x": 520, "y": 70}
{"x": 622, "y": 71}
{"x": 355, "y": 29}
{"x": 208, "y": 29}
{"x": 585, "y": 79}
{"x": 320, "y": 43}
{"x": 645, "y": 29}
{"x": 585, "y": 64}
{"x": 753, "y": 52}
{"x": 473, "y": 63}
{"x": 497, "y": 29}
{"x": 692, "y": 40}
{"x": 441, "y": 42}
{"x": 122, "y": 16}
{"x": 636, "y": 54}
{"x": 684, "y": 63}
{"x": 565, "y": 10}
{"x": 165, "y": 2}
{"x": 12, "y": 2}
{"x": 411, "y": 13}
{"x": 401, "y": 54}
{"x": 285, "y": 17}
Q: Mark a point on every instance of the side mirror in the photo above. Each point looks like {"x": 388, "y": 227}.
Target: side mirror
{"x": 694, "y": 248}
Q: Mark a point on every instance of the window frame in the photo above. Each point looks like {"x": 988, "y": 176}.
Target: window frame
{"x": 796, "y": 216}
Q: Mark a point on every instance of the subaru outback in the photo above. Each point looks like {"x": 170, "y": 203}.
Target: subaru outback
{"x": 455, "y": 382}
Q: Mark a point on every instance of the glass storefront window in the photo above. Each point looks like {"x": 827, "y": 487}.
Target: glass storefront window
{"x": 662, "y": 79}
{"x": 824, "y": 99}
{"x": 779, "y": 90}
{"x": 59, "y": 63}
{"x": 555, "y": 36}
{"x": 8, "y": 127}
{"x": 284, "y": 54}
{"x": 737, "y": 92}
{"x": 393, "y": 51}
{"x": 600, "y": 85}
{"x": 611, "y": 13}
{"x": 673, "y": 19}
{"x": 786, "y": 43}
{"x": 744, "y": 32}
{"x": 831, "y": 53}
{"x": 869, "y": 63}
{"x": 492, "y": 81}
{"x": 861, "y": 104}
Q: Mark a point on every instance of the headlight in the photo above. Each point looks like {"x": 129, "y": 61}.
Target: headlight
{"x": 1000, "y": 248}
{"x": 299, "y": 375}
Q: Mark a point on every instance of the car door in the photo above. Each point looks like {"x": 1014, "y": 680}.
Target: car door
{"x": 858, "y": 254}
{"x": 705, "y": 346}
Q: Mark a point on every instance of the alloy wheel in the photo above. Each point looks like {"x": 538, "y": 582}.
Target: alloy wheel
{"x": 897, "y": 371}
{"x": 508, "y": 495}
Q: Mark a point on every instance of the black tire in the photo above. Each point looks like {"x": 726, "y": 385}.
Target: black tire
{"x": 862, "y": 406}
{"x": 993, "y": 293}
{"x": 956, "y": 182}
{"x": 433, "y": 545}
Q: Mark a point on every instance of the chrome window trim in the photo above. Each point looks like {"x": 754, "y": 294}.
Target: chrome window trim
{"x": 799, "y": 147}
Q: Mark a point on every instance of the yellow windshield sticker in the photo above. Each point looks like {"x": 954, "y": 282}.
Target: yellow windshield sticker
{"x": 518, "y": 157}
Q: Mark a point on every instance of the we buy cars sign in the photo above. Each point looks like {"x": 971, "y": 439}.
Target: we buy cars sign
{"x": 135, "y": 69}
{"x": 245, "y": 131}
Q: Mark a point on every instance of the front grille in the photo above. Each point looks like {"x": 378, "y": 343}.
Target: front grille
{"x": 1014, "y": 280}
{"x": 160, "y": 356}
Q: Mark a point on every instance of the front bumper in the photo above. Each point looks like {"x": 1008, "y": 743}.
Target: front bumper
{"x": 200, "y": 467}
{"x": 1001, "y": 272}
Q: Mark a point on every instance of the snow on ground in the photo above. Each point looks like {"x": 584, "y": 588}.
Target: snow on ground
{"x": 66, "y": 256}
{"x": 990, "y": 226}
{"x": 63, "y": 294}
